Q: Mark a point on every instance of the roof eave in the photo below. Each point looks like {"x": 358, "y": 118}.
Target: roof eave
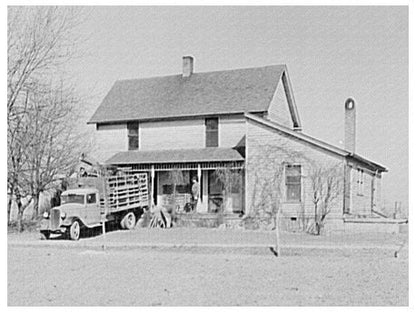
{"x": 181, "y": 117}
{"x": 173, "y": 162}
{"x": 326, "y": 146}
{"x": 126, "y": 157}
{"x": 369, "y": 163}
{"x": 298, "y": 135}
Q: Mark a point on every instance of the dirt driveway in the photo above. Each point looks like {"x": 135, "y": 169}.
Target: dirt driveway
{"x": 55, "y": 275}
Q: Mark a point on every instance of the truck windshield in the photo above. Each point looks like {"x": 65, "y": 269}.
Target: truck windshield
{"x": 72, "y": 199}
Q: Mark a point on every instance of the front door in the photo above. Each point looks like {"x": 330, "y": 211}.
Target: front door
{"x": 93, "y": 215}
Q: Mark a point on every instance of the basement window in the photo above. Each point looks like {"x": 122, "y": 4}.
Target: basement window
{"x": 133, "y": 135}
{"x": 293, "y": 183}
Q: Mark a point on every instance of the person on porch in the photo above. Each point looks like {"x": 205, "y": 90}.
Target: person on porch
{"x": 195, "y": 193}
{"x": 82, "y": 172}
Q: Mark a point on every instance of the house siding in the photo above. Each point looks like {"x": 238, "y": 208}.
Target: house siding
{"x": 186, "y": 134}
{"x": 279, "y": 107}
{"x": 267, "y": 149}
{"x": 231, "y": 130}
{"x": 377, "y": 194}
{"x": 361, "y": 198}
{"x": 168, "y": 135}
{"x": 110, "y": 139}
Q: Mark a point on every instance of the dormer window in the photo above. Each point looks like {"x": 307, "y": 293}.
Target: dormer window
{"x": 211, "y": 132}
{"x": 133, "y": 135}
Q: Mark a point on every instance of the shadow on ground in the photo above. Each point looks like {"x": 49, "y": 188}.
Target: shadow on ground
{"x": 89, "y": 232}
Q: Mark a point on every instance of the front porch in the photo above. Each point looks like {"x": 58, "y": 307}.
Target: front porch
{"x": 219, "y": 174}
{"x": 221, "y": 187}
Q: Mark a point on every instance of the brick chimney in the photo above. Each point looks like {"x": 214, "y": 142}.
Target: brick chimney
{"x": 349, "y": 136}
{"x": 188, "y": 66}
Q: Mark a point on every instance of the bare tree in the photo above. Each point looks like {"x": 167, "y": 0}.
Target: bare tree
{"x": 45, "y": 148}
{"x": 267, "y": 182}
{"x": 16, "y": 187}
{"x": 230, "y": 179}
{"x": 267, "y": 200}
{"x": 15, "y": 162}
{"x": 54, "y": 148}
{"x": 175, "y": 177}
{"x": 40, "y": 41}
{"x": 17, "y": 137}
{"x": 326, "y": 184}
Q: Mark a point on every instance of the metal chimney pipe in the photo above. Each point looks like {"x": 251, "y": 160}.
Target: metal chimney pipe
{"x": 349, "y": 126}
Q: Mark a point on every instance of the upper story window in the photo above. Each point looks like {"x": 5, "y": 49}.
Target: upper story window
{"x": 133, "y": 135}
{"x": 211, "y": 132}
{"x": 293, "y": 182}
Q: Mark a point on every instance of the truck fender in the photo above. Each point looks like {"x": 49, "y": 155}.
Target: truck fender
{"x": 44, "y": 224}
{"x": 68, "y": 221}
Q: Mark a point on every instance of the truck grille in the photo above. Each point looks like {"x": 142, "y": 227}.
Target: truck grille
{"x": 55, "y": 218}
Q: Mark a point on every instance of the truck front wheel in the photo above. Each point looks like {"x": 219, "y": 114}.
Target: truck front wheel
{"x": 74, "y": 230}
{"x": 129, "y": 221}
{"x": 44, "y": 235}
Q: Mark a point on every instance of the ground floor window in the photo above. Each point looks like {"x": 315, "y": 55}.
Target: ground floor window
{"x": 213, "y": 191}
{"x": 293, "y": 182}
{"x": 225, "y": 190}
{"x": 175, "y": 189}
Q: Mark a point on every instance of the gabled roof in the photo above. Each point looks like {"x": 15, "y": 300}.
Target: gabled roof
{"x": 201, "y": 94}
{"x": 209, "y": 154}
{"x": 321, "y": 144}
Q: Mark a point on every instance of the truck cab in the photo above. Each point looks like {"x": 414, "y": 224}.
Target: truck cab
{"x": 92, "y": 201}
{"x": 79, "y": 208}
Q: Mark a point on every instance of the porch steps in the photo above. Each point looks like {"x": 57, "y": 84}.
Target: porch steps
{"x": 195, "y": 219}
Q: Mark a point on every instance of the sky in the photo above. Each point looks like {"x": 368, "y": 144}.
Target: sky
{"x": 332, "y": 53}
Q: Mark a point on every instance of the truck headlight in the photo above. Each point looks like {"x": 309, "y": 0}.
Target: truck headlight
{"x": 46, "y": 214}
{"x": 63, "y": 215}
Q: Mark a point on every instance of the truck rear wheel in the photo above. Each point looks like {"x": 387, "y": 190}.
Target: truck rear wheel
{"x": 74, "y": 230}
{"x": 129, "y": 221}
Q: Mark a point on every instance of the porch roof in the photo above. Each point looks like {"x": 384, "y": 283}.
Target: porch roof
{"x": 209, "y": 154}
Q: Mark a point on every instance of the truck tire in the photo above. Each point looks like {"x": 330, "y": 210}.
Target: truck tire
{"x": 75, "y": 230}
{"x": 44, "y": 235}
{"x": 129, "y": 221}
{"x": 121, "y": 224}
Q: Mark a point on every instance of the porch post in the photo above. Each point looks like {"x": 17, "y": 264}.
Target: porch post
{"x": 199, "y": 181}
{"x": 153, "y": 185}
{"x": 204, "y": 193}
{"x": 198, "y": 204}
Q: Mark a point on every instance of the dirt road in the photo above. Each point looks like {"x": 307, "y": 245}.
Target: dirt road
{"x": 61, "y": 276}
